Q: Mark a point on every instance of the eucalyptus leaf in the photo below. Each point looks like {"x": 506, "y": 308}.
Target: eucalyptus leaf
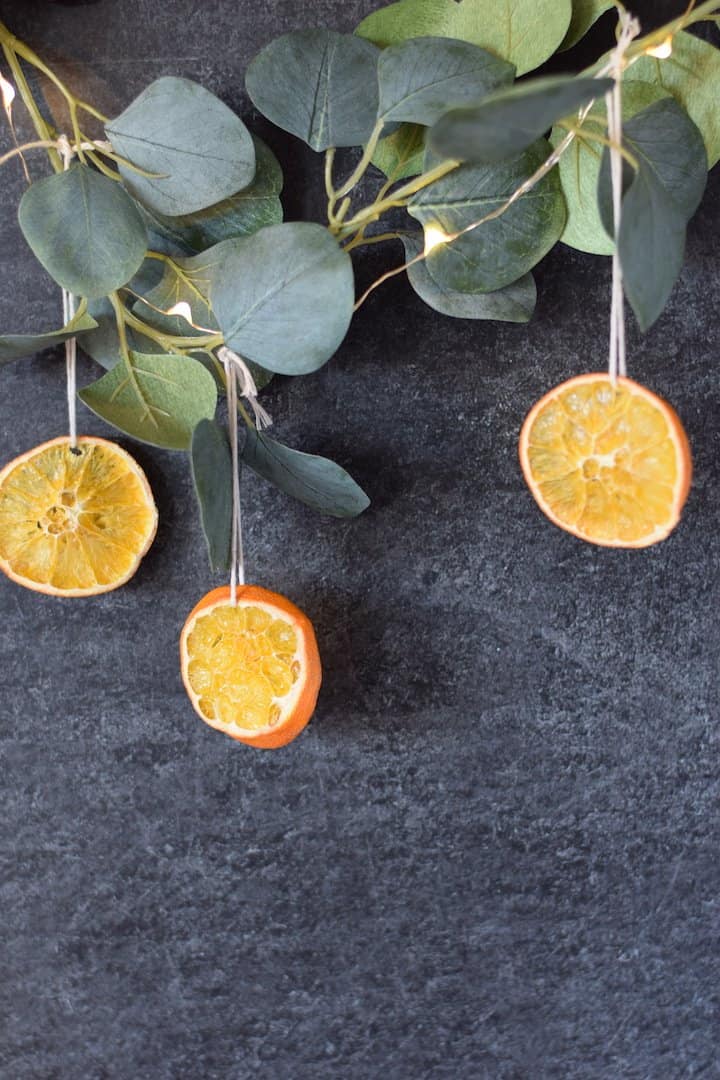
{"x": 242, "y": 214}
{"x": 315, "y": 481}
{"x": 284, "y": 297}
{"x": 501, "y": 250}
{"x": 660, "y": 197}
{"x": 514, "y": 303}
{"x": 506, "y": 123}
{"x": 184, "y": 280}
{"x": 692, "y": 75}
{"x": 422, "y": 78}
{"x": 199, "y": 149}
{"x": 157, "y": 399}
{"x": 580, "y": 165}
{"x": 103, "y": 344}
{"x": 584, "y": 14}
{"x": 84, "y": 229}
{"x": 318, "y": 85}
{"x": 523, "y": 32}
{"x": 211, "y": 464}
{"x": 15, "y": 346}
{"x": 400, "y": 155}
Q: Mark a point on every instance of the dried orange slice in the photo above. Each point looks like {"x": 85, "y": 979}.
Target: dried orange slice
{"x": 251, "y": 669}
{"x": 610, "y": 464}
{"x": 74, "y": 522}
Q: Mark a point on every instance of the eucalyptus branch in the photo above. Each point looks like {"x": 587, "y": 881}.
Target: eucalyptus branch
{"x": 20, "y": 150}
{"x": 359, "y": 170}
{"x": 400, "y": 196}
{"x": 43, "y": 130}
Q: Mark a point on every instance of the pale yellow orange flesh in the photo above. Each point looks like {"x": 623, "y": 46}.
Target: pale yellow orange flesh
{"x": 74, "y": 523}
{"x": 252, "y": 668}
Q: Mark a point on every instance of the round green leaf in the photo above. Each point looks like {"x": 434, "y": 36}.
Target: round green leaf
{"x": 318, "y": 85}
{"x": 422, "y": 78}
{"x": 584, "y": 14}
{"x": 84, "y": 229}
{"x": 580, "y": 165}
{"x": 157, "y": 399}
{"x": 201, "y": 151}
{"x": 284, "y": 297}
{"x": 514, "y": 303}
{"x": 662, "y": 195}
{"x": 400, "y": 155}
{"x": 501, "y": 250}
{"x": 524, "y": 32}
{"x": 506, "y": 123}
{"x": 692, "y": 75}
{"x": 242, "y": 214}
{"x": 315, "y": 481}
{"x": 211, "y": 464}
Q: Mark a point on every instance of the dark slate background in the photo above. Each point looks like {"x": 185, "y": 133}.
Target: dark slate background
{"x": 493, "y": 854}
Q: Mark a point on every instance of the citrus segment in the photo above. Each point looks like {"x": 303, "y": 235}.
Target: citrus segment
{"x": 610, "y": 464}
{"x": 74, "y": 522}
{"x": 251, "y": 669}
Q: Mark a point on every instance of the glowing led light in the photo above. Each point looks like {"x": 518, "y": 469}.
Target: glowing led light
{"x": 663, "y": 50}
{"x": 7, "y": 92}
{"x": 434, "y": 237}
{"x": 183, "y": 309}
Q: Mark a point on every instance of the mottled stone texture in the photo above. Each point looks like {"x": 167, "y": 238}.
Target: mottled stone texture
{"x": 494, "y": 852}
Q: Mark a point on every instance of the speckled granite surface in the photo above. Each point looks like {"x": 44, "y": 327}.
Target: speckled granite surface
{"x": 494, "y": 853}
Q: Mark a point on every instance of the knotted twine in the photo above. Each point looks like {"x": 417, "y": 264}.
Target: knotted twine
{"x": 240, "y": 383}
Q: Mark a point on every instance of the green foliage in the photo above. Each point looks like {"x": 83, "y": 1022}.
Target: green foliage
{"x": 514, "y": 303}
{"x": 200, "y": 151}
{"x": 421, "y": 78}
{"x": 692, "y": 75}
{"x": 84, "y": 229}
{"x": 318, "y": 85}
{"x": 211, "y": 465}
{"x": 580, "y": 166}
{"x": 315, "y": 481}
{"x": 15, "y": 346}
{"x": 157, "y": 399}
{"x": 505, "y": 248}
{"x": 660, "y": 197}
{"x": 524, "y": 32}
{"x": 506, "y": 123}
{"x": 186, "y": 208}
{"x": 401, "y": 153}
{"x": 584, "y": 14}
{"x": 242, "y": 214}
{"x": 284, "y": 297}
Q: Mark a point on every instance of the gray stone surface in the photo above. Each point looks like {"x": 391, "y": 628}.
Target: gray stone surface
{"x": 493, "y": 854}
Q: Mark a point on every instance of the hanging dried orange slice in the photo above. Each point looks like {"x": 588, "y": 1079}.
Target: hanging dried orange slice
{"x": 251, "y": 669}
{"x": 74, "y": 522}
{"x": 610, "y": 464}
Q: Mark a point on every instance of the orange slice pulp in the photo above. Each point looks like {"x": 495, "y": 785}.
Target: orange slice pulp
{"x": 610, "y": 464}
{"x": 251, "y": 669}
{"x": 74, "y": 522}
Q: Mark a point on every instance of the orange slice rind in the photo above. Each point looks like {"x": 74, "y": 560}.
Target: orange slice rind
{"x": 251, "y": 669}
{"x": 608, "y": 463}
{"x": 74, "y": 523}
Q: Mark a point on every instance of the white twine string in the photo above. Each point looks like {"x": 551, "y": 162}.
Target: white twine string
{"x": 67, "y": 153}
{"x": 629, "y": 29}
{"x": 239, "y": 383}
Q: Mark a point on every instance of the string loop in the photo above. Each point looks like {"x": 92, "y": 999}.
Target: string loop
{"x": 629, "y": 28}
{"x": 240, "y": 382}
{"x": 67, "y": 152}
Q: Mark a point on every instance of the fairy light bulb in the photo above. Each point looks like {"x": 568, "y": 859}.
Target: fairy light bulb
{"x": 7, "y": 92}
{"x": 183, "y": 309}
{"x": 433, "y": 238}
{"x": 663, "y": 50}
